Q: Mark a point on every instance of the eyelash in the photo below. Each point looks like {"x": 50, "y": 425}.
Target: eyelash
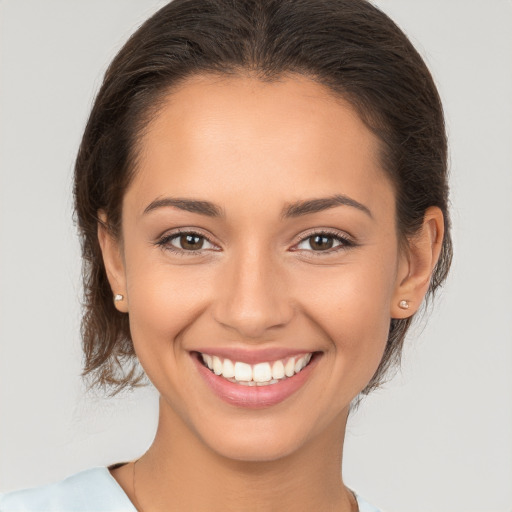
{"x": 345, "y": 242}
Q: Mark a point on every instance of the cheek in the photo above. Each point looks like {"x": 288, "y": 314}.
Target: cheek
{"x": 352, "y": 306}
{"x": 353, "y": 295}
{"x": 163, "y": 304}
{"x": 163, "y": 301}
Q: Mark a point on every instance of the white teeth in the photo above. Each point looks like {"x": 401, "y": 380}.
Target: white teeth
{"x": 208, "y": 360}
{"x": 300, "y": 363}
{"x": 278, "y": 370}
{"x": 217, "y": 365}
{"x": 228, "y": 369}
{"x": 261, "y": 374}
{"x": 243, "y": 372}
{"x": 289, "y": 367}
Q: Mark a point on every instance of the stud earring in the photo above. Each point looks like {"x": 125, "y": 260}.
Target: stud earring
{"x": 118, "y": 297}
{"x": 404, "y": 304}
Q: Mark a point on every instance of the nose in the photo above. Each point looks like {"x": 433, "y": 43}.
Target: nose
{"x": 253, "y": 297}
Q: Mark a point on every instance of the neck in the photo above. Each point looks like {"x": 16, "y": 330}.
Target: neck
{"x": 179, "y": 472}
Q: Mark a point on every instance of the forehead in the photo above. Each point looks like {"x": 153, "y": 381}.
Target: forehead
{"x": 240, "y": 136}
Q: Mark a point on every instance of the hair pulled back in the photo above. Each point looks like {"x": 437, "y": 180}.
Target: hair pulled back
{"x": 350, "y": 46}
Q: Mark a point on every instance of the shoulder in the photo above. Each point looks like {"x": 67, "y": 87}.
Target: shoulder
{"x": 364, "y": 506}
{"x": 92, "y": 489}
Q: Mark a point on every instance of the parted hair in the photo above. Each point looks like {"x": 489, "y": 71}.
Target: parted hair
{"x": 349, "y": 46}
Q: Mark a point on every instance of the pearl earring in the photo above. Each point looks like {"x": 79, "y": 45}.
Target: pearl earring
{"x": 118, "y": 297}
{"x": 404, "y": 304}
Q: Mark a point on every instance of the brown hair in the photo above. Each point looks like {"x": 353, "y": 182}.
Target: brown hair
{"x": 350, "y": 46}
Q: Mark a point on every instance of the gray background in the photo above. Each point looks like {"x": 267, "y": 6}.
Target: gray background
{"x": 437, "y": 438}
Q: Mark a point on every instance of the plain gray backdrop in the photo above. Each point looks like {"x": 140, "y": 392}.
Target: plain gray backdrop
{"x": 437, "y": 438}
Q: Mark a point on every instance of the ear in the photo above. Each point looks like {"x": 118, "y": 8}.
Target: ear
{"x": 417, "y": 264}
{"x": 114, "y": 264}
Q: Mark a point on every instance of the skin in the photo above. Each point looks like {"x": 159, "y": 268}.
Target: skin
{"x": 253, "y": 148}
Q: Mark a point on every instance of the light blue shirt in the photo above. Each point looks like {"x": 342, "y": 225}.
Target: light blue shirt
{"x": 92, "y": 490}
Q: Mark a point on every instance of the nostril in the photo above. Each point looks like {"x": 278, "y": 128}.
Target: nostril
{"x": 252, "y": 302}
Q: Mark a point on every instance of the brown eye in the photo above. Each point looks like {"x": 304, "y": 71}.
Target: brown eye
{"x": 186, "y": 242}
{"x": 321, "y": 242}
{"x": 190, "y": 242}
{"x": 324, "y": 242}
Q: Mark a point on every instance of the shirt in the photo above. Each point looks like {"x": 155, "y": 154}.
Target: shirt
{"x": 90, "y": 490}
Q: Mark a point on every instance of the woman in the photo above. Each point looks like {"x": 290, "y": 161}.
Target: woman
{"x": 261, "y": 192}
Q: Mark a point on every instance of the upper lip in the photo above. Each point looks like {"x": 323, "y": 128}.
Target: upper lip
{"x": 253, "y": 356}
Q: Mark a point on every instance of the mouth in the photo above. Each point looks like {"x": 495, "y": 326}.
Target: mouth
{"x": 257, "y": 385}
{"x": 260, "y": 374}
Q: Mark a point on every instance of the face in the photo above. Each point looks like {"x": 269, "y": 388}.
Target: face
{"x": 258, "y": 235}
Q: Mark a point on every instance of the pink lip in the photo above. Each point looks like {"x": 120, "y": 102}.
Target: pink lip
{"x": 253, "y": 397}
{"x": 253, "y": 356}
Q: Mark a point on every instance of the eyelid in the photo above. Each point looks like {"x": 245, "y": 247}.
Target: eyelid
{"x": 163, "y": 241}
{"x": 346, "y": 240}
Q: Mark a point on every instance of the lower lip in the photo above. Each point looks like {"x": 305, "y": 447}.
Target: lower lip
{"x": 254, "y": 397}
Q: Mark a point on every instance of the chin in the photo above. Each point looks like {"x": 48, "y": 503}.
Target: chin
{"x": 256, "y": 448}
{"x": 268, "y": 437}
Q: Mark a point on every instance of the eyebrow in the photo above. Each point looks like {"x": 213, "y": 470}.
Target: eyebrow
{"x": 189, "y": 205}
{"x": 324, "y": 203}
{"x": 291, "y": 210}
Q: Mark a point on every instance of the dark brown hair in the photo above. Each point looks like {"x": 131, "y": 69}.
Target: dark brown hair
{"x": 349, "y": 46}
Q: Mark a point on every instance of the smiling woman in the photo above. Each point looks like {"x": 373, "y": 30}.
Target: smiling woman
{"x": 261, "y": 193}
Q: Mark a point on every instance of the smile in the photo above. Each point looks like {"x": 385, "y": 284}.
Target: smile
{"x": 261, "y": 374}
{"x": 252, "y": 379}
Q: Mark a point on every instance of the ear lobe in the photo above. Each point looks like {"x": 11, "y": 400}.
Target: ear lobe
{"x": 415, "y": 270}
{"x": 114, "y": 264}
